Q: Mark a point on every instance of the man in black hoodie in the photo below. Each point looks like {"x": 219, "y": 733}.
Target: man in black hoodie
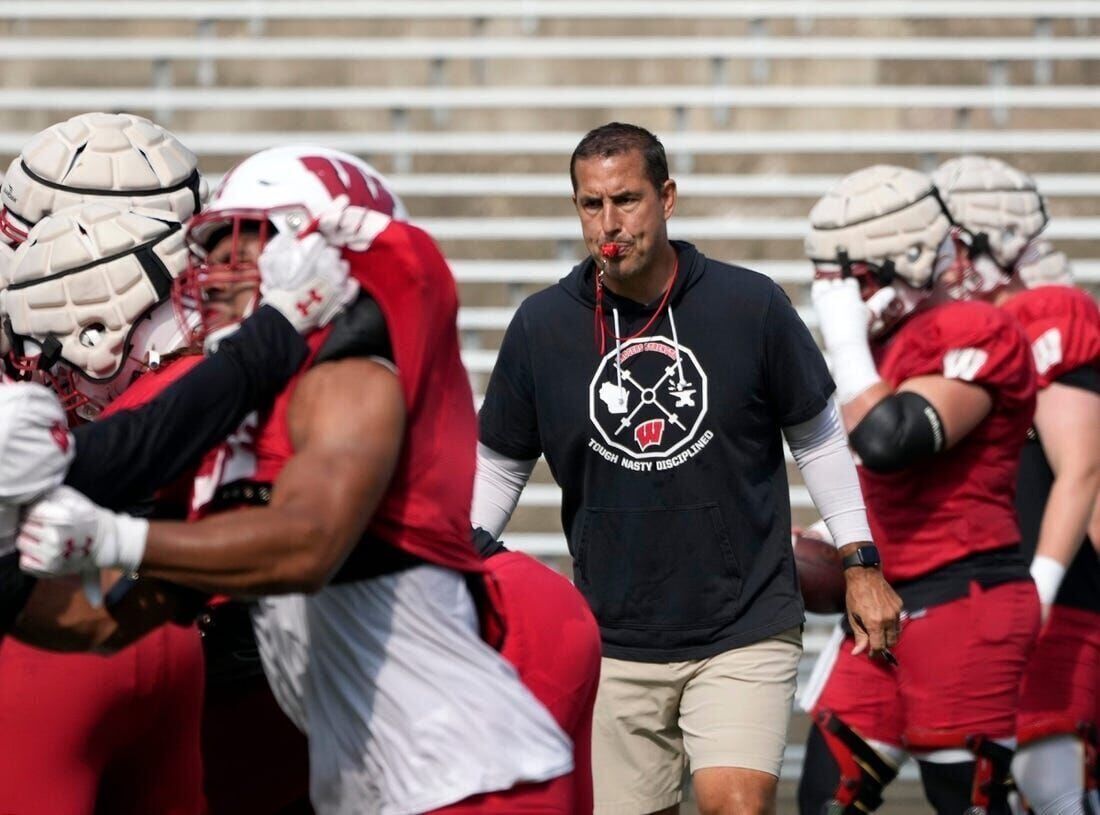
{"x": 659, "y": 384}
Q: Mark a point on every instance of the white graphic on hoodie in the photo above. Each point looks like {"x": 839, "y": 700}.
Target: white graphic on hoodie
{"x": 648, "y": 398}
{"x": 616, "y": 398}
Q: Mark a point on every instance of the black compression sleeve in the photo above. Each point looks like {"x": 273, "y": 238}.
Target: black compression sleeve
{"x": 899, "y": 430}
{"x": 123, "y": 459}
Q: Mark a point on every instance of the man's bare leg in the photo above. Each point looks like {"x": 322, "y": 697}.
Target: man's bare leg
{"x": 734, "y": 791}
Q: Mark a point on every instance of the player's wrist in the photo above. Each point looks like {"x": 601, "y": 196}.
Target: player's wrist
{"x": 1047, "y": 574}
{"x": 123, "y": 542}
{"x": 854, "y": 369}
{"x": 860, "y": 559}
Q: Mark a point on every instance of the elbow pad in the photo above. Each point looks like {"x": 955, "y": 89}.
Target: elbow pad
{"x": 900, "y": 430}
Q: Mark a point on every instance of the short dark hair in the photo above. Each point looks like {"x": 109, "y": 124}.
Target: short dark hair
{"x": 616, "y": 138}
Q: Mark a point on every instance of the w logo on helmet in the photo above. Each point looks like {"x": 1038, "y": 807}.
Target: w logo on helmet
{"x": 649, "y": 433}
{"x": 344, "y": 178}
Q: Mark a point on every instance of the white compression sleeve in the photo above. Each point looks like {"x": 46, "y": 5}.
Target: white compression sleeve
{"x": 820, "y": 448}
{"x": 497, "y": 486}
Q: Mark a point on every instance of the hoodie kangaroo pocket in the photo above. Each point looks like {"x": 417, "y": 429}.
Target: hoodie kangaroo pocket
{"x": 658, "y": 568}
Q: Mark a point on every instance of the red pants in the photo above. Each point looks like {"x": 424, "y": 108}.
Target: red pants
{"x": 959, "y": 671}
{"x": 1062, "y": 684}
{"x": 81, "y": 734}
{"x": 552, "y": 639}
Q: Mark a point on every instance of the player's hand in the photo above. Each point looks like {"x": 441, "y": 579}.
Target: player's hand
{"x": 306, "y": 279}
{"x": 843, "y": 316}
{"x": 352, "y": 227}
{"x": 874, "y": 611}
{"x": 64, "y": 532}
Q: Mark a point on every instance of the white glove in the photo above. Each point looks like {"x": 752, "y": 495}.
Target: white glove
{"x": 36, "y": 447}
{"x": 1047, "y": 574}
{"x": 65, "y": 533}
{"x": 305, "y": 279}
{"x": 844, "y": 319}
{"x": 352, "y": 227}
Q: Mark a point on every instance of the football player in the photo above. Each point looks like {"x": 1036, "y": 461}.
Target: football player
{"x": 937, "y": 396}
{"x": 90, "y": 315}
{"x": 1000, "y": 213}
{"x": 354, "y": 521}
{"x": 119, "y": 460}
{"x": 124, "y": 160}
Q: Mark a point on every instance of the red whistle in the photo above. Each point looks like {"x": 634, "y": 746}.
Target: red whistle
{"x": 610, "y": 251}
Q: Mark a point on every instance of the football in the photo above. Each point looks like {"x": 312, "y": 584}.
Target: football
{"x": 820, "y": 574}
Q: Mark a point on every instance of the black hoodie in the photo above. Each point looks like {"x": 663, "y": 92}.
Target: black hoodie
{"x": 668, "y": 450}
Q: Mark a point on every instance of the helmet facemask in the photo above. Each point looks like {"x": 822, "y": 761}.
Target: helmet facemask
{"x": 30, "y": 362}
{"x": 222, "y": 281}
{"x": 887, "y": 296}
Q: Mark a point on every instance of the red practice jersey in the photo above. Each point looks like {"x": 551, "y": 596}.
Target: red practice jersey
{"x": 960, "y": 501}
{"x": 426, "y": 510}
{"x": 1063, "y": 325}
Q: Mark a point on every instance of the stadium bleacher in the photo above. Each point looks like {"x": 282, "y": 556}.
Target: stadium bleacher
{"x": 473, "y": 107}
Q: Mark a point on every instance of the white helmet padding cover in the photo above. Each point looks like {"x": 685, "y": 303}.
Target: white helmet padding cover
{"x": 882, "y": 215}
{"x": 1042, "y": 265}
{"x": 86, "y": 276}
{"x": 115, "y": 158}
{"x": 987, "y": 197}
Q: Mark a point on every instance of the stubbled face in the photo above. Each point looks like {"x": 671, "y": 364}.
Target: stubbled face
{"x": 229, "y": 295}
{"x": 617, "y": 203}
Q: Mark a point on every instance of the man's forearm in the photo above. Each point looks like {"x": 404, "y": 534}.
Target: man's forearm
{"x": 248, "y": 552}
{"x": 820, "y": 449}
{"x": 497, "y": 486}
{"x": 1066, "y": 516}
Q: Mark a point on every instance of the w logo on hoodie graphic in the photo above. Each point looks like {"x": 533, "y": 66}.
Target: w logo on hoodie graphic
{"x": 648, "y": 398}
{"x": 649, "y": 433}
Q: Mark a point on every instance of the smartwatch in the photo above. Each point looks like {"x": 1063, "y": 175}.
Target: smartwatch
{"x": 863, "y": 556}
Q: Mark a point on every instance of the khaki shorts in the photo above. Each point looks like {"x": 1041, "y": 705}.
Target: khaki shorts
{"x": 731, "y": 710}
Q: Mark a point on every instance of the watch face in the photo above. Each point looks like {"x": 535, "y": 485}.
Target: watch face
{"x": 868, "y": 556}
{"x": 863, "y": 556}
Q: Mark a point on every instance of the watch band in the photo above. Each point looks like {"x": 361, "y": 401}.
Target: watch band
{"x": 866, "y": 556}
